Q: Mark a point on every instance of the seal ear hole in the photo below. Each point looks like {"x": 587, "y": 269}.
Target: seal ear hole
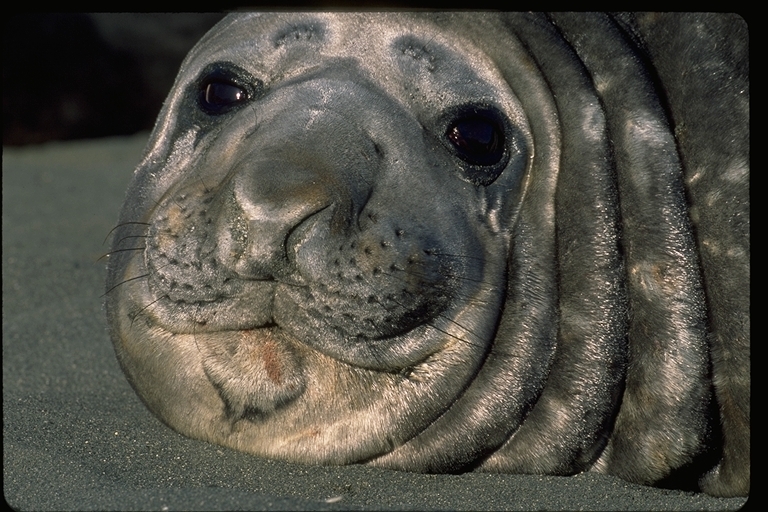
{"x": 224, "y": 87}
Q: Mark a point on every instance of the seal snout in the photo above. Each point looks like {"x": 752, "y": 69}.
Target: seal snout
{"x": 268, "y": 201}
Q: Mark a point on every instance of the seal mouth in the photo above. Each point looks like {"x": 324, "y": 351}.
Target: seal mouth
{"x": 221, "y": 313}
{"x": 370, "y": 299}
{"x": 387, "y": 335}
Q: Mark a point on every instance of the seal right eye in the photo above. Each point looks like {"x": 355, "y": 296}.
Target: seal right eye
{"x": 478, "y": 140}
{"x": 481, "y": 138}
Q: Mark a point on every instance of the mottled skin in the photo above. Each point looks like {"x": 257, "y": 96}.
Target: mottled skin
{"x": 446, "y": 242}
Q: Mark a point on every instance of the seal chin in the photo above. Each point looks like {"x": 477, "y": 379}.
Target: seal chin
{"x": 255, "y": 371}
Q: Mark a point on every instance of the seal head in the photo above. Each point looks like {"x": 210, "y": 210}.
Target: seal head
{"x": 326, "y": 235}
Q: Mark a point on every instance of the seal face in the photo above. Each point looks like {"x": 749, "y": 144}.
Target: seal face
{"x": 398, "y": 239}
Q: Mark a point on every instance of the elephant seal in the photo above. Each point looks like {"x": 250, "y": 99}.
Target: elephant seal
{"x": 450, "y": 242}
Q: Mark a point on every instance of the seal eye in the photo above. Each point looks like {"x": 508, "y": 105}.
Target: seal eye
{"x": 218, "y": 96}
{"x": 223, "y": 94}
{"x": 478, "y": 140}
{"x": 223, "y": 87}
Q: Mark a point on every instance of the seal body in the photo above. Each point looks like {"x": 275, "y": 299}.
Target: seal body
{"x": 450, "y": 242}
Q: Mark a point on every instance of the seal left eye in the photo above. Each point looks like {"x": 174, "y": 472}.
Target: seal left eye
{"x": 219, "y": 96}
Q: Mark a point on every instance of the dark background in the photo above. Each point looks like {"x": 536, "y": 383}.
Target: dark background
{"x": 75, "y": 76}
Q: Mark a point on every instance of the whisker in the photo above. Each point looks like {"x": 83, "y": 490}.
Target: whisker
{"x": 205, "y": 186}
{"x": 451, "y": 276}
{"x": 138, "y": 277}
{"x": 440, "y": 315}
{"x": 137, "y": 313}
{"x": 468, "y": 342}
{"x": 131, "y": 236}
{"x": 123, "y": 282}
{"x": 454, "y": 322}
{"x": 463, "y": 295}
{"x": 121, "y": 225}
{"x": 119, "y": 250}
{"x": 457, "y": 256}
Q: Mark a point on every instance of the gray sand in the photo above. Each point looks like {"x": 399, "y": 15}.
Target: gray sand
{"x": 76, "y": 437}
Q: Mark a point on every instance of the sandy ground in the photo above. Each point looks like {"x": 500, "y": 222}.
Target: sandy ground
{"x": 76, "y": 437}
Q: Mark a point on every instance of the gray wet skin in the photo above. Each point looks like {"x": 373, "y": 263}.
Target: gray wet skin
{"x": 443, "y": 243}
